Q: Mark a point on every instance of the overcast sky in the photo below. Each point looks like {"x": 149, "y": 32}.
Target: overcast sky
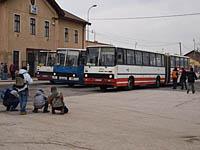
{"x": 150, "y": 34}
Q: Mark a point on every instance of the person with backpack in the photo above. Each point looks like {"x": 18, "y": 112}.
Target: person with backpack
{"x": 191, "y": 76}
{"x": 23, "y": 79}
{"x": 11, "y": 99}
{"x": 183, "y": 79}
{"x": 175, "y": 77}
{"x": 56, "y": 100}
{"x": 40, "y": 101}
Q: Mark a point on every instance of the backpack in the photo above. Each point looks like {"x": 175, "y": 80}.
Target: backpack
{"x": 57, "y": 102}
{"x": 174, "y": 74}
{"x": 20, "y": 82}
{"x": 5, "y": 97}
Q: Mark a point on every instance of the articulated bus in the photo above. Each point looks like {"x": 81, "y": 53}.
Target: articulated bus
{"x": 70, "y": 66}
{"x": 46, "y": 61}
{"x": 119, "y": 67}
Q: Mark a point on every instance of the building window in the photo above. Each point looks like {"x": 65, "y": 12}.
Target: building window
{"x": 66, "y": 35}
{"x": 33, "y": 26}
{"x": 17, "y": 23}
{"x": 46, "y": 34}
{"x": 76, "y": 36}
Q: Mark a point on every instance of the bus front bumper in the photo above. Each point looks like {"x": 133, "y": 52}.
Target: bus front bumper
{"x": 104, "y": 82}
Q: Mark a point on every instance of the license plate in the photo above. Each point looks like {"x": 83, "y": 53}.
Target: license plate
{"x": 73, "y": 79}
{"x": 99, "y": 80}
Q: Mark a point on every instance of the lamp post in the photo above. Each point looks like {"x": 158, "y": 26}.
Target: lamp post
{"x": 88, "y": 19}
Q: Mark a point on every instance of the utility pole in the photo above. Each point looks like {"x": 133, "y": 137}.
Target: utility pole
{"x": 194, "y": 44}
{"x": 180, "y": 45}
{"x": 136, "y": 45}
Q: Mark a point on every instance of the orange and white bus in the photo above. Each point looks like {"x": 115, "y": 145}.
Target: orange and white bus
{"x": 109, "y": 66}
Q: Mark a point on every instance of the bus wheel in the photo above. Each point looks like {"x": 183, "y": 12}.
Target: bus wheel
{"x": 70, "y": 84}
{"x": 157, "y": 82}
{"x": 103, "y": 88}
{"x": 130, "y": 84}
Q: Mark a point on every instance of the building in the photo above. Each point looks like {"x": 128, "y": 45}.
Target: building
{"x": 28, "y": 26}
{"x": 194, "y": 59}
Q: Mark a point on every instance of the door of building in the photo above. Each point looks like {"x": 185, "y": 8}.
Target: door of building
{"x": 31, "y": 63}
{"x": 16, "y": 58}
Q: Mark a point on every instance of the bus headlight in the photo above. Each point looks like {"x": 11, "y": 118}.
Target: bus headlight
{"x": 86, "y": 75}
{"x": 110, "y": 76}
{"x": 74, "y": 75}
{"x": 54, "y": 74}
{"x": 38, "y": 72}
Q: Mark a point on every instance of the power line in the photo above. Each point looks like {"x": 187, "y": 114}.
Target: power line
{"x": 149, "y": 17}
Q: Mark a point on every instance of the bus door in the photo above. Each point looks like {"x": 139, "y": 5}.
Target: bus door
{"x": 167, "y": 69}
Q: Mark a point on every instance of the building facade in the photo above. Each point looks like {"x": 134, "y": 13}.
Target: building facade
{"x": 29, "y": 26}
{"x": 194, "y": 60}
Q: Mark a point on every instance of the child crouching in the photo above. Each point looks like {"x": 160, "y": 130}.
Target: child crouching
{"x": 40, "y": 101}
{"x": 56, "y": 100}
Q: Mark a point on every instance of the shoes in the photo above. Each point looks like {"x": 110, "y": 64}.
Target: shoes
{"x": 14, "y": 110}
{"x": 193, "y": 92}
{"x": 46, "y": 111}
{"x": 188, "y": 91}
{"x": 23, "y": 113}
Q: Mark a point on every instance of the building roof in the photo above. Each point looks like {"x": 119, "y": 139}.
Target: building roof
{"x": 70, "y": 16}
{"x": 194, "y": 55}
{"x": 63, "y": 14}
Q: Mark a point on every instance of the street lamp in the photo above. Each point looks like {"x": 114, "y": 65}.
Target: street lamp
{"x": 88, "y": 19}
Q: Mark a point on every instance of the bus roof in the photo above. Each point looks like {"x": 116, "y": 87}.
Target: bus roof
{"x": 74, "y": 49}
{"x": 47, "y": 51}
{"x": 110, "y": 46}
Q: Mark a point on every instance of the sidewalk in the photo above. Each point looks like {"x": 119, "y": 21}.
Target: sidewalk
{"x": 10, "y": 81}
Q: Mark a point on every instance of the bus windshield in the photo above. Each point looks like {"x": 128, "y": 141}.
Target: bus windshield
{"x": 72, "y": 58}
{"x": 101, "y": 56}
{"x": 68, "y": 58}
{"x": 47, "y": 59}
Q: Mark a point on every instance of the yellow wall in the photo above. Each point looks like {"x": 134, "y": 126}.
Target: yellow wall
{"x": 10, "y": 40}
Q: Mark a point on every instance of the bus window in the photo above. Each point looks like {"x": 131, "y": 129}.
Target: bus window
{"x": 182, "y": 62}
{"x": 130, "y": 57}
{"x": 145, "y": 58}
{"x": 42, "y": 59}
{"x": 163, "y": 60}
{"x": 177, "y": 62}
{"x": 138, "y": 57}
{"x": 186, "y": 63}
{"x": 107, "y": 57}
{"x": 92, "y": 56}
{"x": 158, "y": 60}
{"x": 72, "y": 58}
{"x": 152, "y": 59}
{"x": 120, "y": 57}
{"x": 61, "y": 59}
{"x": 172, "y": 62}
{"x": 82, "y": 58}
{"x": 125, "y": 57}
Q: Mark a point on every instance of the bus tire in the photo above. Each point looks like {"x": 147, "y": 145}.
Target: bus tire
{"x": 71, "y": 85}
{"x": 157, "y": 82}
{"x": 103, "y": 88}
{"x": 130, "y": 83}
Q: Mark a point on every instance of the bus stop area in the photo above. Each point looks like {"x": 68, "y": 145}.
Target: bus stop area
{"x": 141, "y": 119}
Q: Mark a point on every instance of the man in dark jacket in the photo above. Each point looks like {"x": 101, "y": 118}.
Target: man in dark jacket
{"x": 191, "y": 80}
{"x": 183, "y": 79}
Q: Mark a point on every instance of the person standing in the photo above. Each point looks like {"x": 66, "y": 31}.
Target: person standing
{"x": 5, "y": 72}
{"x": 12, "y": 70}
{"x": 191, "y": 75}
{"x": 175, "y": 77}
{"x": 183, "y": 79}
{"x": 23, "y": 79}
{"x": 1, "y": 70}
